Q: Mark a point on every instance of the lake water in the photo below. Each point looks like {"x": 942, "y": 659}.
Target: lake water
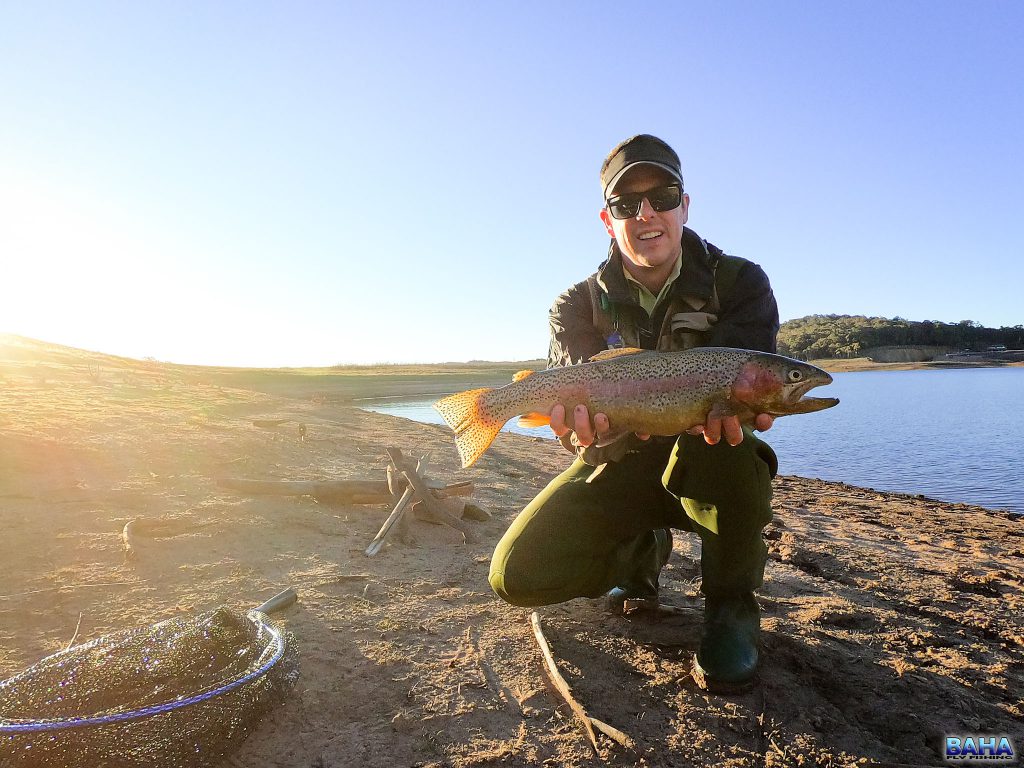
{"x": 947, "y": 434}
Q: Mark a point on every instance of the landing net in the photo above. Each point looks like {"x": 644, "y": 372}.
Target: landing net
{"x": 184, "y": 692}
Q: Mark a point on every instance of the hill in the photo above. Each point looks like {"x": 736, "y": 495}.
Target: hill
{"x": 816, "y": 337}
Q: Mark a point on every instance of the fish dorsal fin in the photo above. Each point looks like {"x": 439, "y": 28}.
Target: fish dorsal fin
{"x": 520, "y": 375}
{"x": 608, "y": 354}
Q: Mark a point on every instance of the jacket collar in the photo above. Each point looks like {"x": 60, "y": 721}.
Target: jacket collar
{"x": 696, "y": 277}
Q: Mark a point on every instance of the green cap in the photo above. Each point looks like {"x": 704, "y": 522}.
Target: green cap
{"x": 642, "y": 149}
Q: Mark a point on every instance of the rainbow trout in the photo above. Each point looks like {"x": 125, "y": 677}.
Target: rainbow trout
{"x": 657, "y": 393}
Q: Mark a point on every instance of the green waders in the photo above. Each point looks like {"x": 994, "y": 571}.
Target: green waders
{"x": 593, "y": 529}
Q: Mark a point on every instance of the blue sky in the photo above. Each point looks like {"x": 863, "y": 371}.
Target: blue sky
{"x": 317, "y": 183}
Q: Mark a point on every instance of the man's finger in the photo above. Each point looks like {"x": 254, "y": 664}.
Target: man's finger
{"x": 713, "y": 430}
{"x": 732, "y": 429}
{"x": 558, "y": 425}
{"x": 582, "y": 427}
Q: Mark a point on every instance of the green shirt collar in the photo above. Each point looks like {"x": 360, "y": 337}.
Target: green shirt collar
{"x": 646, "y": 299}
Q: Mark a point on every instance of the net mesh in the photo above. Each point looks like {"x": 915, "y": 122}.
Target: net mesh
{"x": 184, "y": 692}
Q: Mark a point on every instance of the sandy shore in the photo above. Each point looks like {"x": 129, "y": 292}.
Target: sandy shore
{"x": 889, "y": 620}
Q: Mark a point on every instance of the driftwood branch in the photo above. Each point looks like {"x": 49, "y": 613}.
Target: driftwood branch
{"x": 395, "y": 457}
{"x": 378, "y": 541}
{"x": 465, "y": 488}
{"x": 393, "y": 481}
{"x": 433, "y": 506}
{"x": 396, "y": 513}
{"x": 613, "y": 733}
{"x": 559, "y": 682}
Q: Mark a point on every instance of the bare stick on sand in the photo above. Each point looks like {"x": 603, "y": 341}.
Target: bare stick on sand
{"x": 75, "y": 636}
{"x": 589, "y": 723}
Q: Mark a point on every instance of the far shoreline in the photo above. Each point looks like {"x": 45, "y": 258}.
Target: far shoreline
{"x": 852, "y": 365}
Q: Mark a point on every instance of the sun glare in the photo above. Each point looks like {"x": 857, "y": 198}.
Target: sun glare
{"x": 80, "y": 271}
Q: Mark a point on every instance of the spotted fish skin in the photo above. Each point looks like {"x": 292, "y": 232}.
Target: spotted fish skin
{"x": 658, "y": 393}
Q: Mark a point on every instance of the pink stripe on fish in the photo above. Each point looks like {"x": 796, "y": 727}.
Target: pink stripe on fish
{"x": 640, "y": 387}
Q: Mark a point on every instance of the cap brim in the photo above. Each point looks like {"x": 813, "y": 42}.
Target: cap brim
{"x": 618, "y": 176}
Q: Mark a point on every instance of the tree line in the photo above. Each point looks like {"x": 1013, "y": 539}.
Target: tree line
{"x": 844, "y": 336}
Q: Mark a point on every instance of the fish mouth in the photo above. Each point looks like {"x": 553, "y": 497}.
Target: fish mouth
{"x": 797, "y": 402}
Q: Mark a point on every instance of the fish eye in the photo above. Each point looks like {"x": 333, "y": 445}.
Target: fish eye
{"x": 794, "y": 375}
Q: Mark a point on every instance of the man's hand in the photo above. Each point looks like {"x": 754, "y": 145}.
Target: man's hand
{"x": 579, "y": 422}
{"x": 717, "y": 425}
{"x": 587, "y": 431}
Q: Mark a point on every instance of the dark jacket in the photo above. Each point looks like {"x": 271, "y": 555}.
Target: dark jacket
{"x": 599, "y": 311}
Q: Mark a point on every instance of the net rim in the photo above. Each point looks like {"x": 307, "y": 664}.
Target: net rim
{"x": 276, "y": 646}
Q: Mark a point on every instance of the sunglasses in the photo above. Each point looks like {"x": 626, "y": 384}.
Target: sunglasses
{"x": 661, "y": 199}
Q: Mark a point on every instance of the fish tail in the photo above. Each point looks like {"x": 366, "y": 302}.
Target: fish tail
{"x": 474, "y": 428}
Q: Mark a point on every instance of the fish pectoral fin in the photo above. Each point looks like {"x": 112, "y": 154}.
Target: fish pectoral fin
{"x": 610, "y": 437}
{"x": 608, "y": 354}
{"x": 722, "y": 409}
{"x": 534, "y": 419}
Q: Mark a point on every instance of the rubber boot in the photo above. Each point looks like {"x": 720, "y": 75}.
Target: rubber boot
{"x": 640, "y": 590}
{"x": 727, "y": 659}
{"x": 726, "y": 492}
